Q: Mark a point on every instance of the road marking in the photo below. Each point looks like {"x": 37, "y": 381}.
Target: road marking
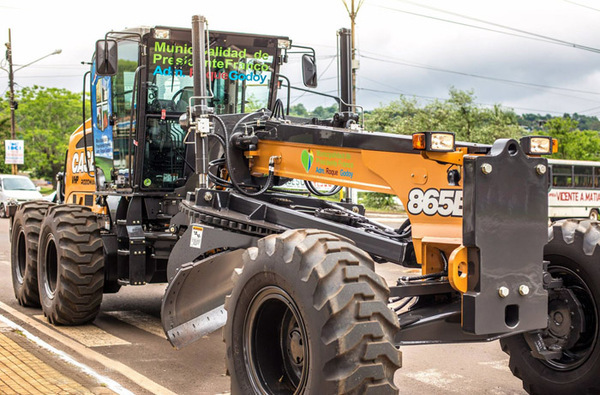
{"x": 88, "y": 335}
{"x": 143, "y": 321}
{"x": 7, "y": 263}
{"x": 111, "y": 384}
{"x": 109, "y": 364}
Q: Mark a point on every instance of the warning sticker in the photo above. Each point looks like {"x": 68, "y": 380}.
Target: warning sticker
{"x": 196, "y": 238}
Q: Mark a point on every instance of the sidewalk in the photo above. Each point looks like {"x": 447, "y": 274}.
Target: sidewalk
{"x": 26, "y": 368}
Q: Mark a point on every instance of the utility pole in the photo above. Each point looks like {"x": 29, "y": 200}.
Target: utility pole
{"x": 352, "y": 12}
{"x": 11, "y": 85}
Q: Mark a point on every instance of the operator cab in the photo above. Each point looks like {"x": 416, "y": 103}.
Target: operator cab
{"x": 138, "y": 142}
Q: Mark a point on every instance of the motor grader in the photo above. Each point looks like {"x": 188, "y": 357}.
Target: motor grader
{"x": 122, "y": 183}
{"x": 293, "y": 278}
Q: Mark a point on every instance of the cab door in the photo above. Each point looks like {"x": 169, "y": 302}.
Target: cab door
{"x": 102, "y": 130}
{"x": 114, "y": 121}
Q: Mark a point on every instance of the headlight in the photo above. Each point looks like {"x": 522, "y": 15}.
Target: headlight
{"x": 434, "y": 141}
{"x": 539, "y": 145}
{"x": 283, "y": 43}
{"x": 162, "y": 34}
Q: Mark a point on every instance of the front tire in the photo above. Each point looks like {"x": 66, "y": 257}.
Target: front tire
{"x": 573, "y": 316}
{"x": 24, "y": 250}
{"x": 71, "y": 265}
{"x": 308, "y": 314}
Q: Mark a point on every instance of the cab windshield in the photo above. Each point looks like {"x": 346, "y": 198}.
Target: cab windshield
{"x": 239, "y": 72}
{"x": 238, "y": 69}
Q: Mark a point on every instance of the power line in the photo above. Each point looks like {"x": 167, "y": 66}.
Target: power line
{"x": 589, "y": 109}
{"x": 496, "y": 79}
{"x": 45, "y": 76}
{"x": 522, "y": 33}
{"x": 582, "y": 5}
{"x": 463, "y": 24}
{"x": 54, "y": 66}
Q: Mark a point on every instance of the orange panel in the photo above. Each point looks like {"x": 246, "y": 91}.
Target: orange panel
{"x": 433, "y": 206}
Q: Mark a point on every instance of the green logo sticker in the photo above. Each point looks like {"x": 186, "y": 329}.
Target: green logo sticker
{"x": 147, "y": 182}
{"x": 307, "y": 159}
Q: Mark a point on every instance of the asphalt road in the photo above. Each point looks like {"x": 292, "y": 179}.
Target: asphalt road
{"x": 126, "y": 343}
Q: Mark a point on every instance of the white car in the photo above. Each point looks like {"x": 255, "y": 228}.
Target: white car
{"x": 15, "y": 190}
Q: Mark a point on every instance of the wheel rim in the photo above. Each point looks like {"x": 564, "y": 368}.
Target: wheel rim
{"x": 21, "y": 257}
{"x": 50, "y": 266}
{"x": 573, "y": 320}
{"x": 275, "y": 343}
{"x": 594, "y": 215}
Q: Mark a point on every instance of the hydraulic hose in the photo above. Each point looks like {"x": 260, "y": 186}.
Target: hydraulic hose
{"x": 312, "y": 189}
{"x": 228, "y": 153}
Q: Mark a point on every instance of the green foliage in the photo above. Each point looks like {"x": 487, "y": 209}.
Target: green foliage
{"x": 299, "y": 110}
{"x": 377, "y": 200}
{"x": 325, "y": 112}
{"x": 45, "y": 119}
{"x": 470, "y": 122}
{"x": 4, "y": 134}
{"x": 536, "y": 122}
{"x": 586, "y": 123}
{"x": 254, "y": 104}
{"x": 458, "y": 114}
{"x": 572, "y": 142}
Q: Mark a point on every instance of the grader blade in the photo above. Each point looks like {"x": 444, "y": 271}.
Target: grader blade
{"x": 193, "y": 303}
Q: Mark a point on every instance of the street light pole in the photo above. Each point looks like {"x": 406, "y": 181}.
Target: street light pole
{"x": 11, "y": 84}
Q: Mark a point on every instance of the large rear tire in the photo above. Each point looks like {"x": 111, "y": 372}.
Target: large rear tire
{"x": 573, "y": 316}
{"x": 71, "y": 265}
{"x": 308, "y": 314}
{"x": 24, "y": 251}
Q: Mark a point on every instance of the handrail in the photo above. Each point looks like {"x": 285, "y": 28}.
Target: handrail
{"x": 134, "y": 102}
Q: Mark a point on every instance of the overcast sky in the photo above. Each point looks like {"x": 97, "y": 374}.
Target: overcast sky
{"x": 528, "y": 55}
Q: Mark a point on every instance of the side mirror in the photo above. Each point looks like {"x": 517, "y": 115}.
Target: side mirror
{"x": 106, "y": 58}
{"x": 309, "y": 71}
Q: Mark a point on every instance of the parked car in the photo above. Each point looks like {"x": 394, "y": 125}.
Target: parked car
{"x": 15, "y": 190}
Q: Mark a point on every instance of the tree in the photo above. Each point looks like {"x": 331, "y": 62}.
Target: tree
{"x": 4, "y": 134}
{"x": 320, "y": 112}
{"x": 325, "y": 112}
{"x": 535, "y": 122}
{"x": 46, "y": 117}
{"x": 572, "y": 142}
{"x": 459, "y": 114}
{"x": 299, "y": 110}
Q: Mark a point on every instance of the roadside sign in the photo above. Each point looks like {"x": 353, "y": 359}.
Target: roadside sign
{"x": 14, "y": 153}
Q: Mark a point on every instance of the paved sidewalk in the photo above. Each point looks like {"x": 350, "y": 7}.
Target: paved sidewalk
{"x": 26, "y": 368}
